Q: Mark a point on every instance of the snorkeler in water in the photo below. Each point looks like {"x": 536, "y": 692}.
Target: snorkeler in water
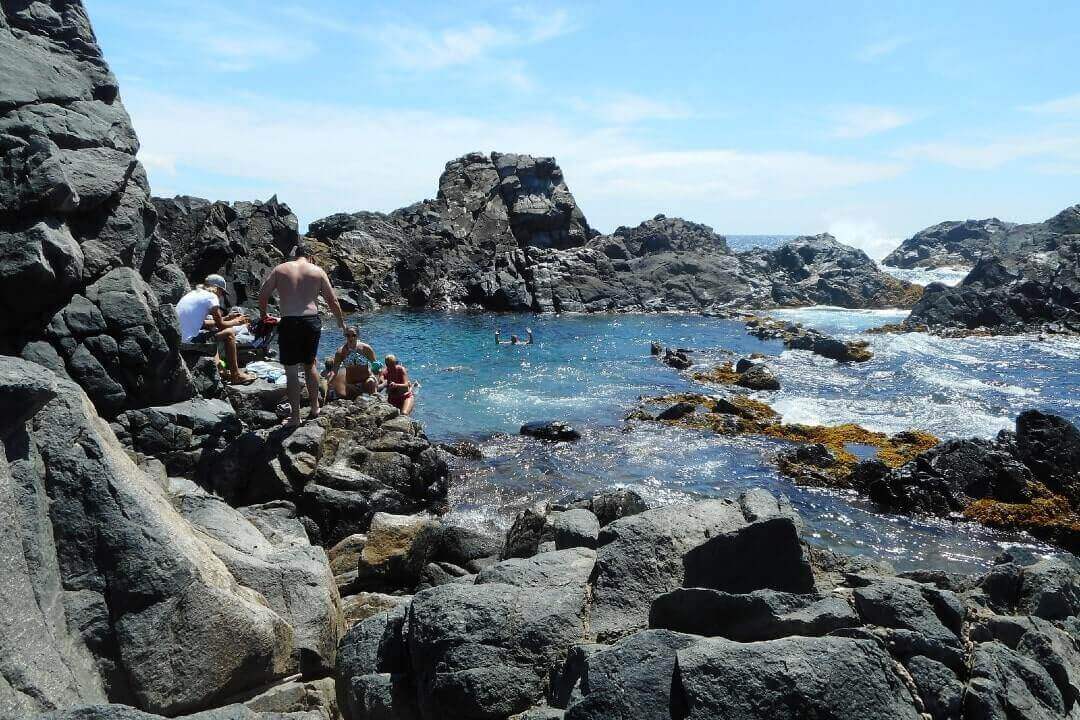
{"x": 514, "y": 339}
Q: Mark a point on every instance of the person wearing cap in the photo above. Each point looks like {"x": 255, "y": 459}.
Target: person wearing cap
{"x": 201, "y": 320}
{"x": 299, "y": 283}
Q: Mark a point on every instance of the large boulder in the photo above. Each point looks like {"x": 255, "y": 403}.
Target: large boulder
{"x": 87, "y": 283}
{"x": 166, "y": 623}
{"x": 830, "y": 678}
{"x": 631, "y": 678}
{"x": 747, "y": 617}
{"x": 480, "y": 651}
{"x": 763, "y": 555}
{"x": 292, "y": 575}
{"x": 641, "y": 556}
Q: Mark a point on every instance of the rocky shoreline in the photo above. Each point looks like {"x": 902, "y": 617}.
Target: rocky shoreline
{"x": 167, "y": 550}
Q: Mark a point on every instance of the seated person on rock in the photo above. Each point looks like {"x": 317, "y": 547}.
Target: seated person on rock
{"x": 201, "y": 321}
{"x": 514, "y": 339}
{"x": 355, "y": 370}
{"x": 399, "y": 391}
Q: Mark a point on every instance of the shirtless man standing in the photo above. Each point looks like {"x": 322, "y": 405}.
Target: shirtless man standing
{"x": 298, "y": 283}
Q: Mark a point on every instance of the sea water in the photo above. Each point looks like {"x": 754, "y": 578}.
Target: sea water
{"x": 591, "y": 370}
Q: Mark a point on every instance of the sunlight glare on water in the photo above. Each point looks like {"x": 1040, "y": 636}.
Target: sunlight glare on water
{"x": 590, "y": 371}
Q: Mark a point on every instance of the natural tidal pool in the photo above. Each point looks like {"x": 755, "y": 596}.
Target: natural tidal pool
{"x": 591, "y": 370}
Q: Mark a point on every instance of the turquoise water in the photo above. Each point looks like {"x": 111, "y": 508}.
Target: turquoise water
{"x": 590, "y": 370}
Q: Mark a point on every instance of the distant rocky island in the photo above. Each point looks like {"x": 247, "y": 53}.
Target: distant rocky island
{"x": 167, "y": 550}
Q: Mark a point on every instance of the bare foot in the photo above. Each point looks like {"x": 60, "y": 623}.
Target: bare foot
{"x": 291, "y": 422}
{"x": 242, "y": 379}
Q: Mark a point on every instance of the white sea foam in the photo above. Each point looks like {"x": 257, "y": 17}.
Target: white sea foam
{"x": 924, "y": 276}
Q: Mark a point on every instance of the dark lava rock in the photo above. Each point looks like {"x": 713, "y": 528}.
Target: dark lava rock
{"x": 758, "y": 377}
{"x": 950, "y": 476}
{"x": 829, "y": 677}
{"x": 1030, "y": 281}
{"x": 523, "y": 537}
{"x": 766, "y": 554}
{"x": 948, "y": 244}
{"x": 749, "y": 617}
{"x": 631, "y": 678}
{"x": 678, "y": 359}
{"x": 87, "y": 282}
{"x": 575, "y": 528}
{"x": 641, "y": 556}
{"x": 505, "y": 233}
{"x": 677, "y": 411}
{"x": 1050, "y": 447}
{"x": 144, "y": 612}
{"x": 552, "y": 430}
{"x": 241, "y": 241}
{"x": 607, "y": 505}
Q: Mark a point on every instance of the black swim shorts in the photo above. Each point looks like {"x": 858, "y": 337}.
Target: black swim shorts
{"x": 298, "y": 339}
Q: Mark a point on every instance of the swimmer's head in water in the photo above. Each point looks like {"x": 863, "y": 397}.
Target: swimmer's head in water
{"x": 513, "y": 339}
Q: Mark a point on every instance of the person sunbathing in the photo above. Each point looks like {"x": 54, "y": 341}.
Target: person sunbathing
{"x": 514, "y": 339}
{"x": 354, "y": 368}
{"x": 201, "y": 320}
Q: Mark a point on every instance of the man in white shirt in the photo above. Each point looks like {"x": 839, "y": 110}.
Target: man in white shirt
{"x": 201, "y": 320}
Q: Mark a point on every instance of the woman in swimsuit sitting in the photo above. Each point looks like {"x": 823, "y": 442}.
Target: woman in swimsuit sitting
{"x": 398, "y": 388}
{"x": 360, "y": 368}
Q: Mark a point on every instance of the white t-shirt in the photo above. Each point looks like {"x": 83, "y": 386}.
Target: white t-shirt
{"x": 193, "y": 309}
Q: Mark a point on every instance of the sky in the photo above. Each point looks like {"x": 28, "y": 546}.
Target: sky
{"x": 868, "y": 120}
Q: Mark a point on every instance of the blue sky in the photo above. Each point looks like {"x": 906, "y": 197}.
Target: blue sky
{"x": 869, "y": 120}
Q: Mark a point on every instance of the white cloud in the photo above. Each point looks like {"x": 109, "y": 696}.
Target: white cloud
{"x": 874, "y": 51}
{"x": 1068, "y": 105}
{"x": 858, "y": 121}
{"x": 994, "y": 153}
{"x": 732, "y": 174}
{"x": 543, "y": 23}
{"x": 415, "y": 47}
{"x": 323, "y": 159}
{"x": 623, "y": 108}
{"x": 412, "y": 47}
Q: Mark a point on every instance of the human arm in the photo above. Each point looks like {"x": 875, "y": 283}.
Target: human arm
{"x": 367, "y": 351}
{"x": 402, "y": 386}
{"x": 330, "y": 296}
{"x": 267, "y": 291}
{"x": 528, "y": 331}
{"x": 498, "y": 338}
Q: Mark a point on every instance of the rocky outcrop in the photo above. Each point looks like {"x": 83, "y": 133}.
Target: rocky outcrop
{"x": 86, "y": 286}
{"x": 953, "y": 243}
{"x": 818, "y": 270}
{"x": 504, "y": 233}
{"x": 842, "y": 639}
{"x": 1023, "y": 480}
{"x": 240, "y": 241}
{"x": 1031, "y": 282}
{"x": 127, "y": 602}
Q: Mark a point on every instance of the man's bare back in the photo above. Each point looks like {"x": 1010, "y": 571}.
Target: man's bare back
{"x": 299, "y": 284}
